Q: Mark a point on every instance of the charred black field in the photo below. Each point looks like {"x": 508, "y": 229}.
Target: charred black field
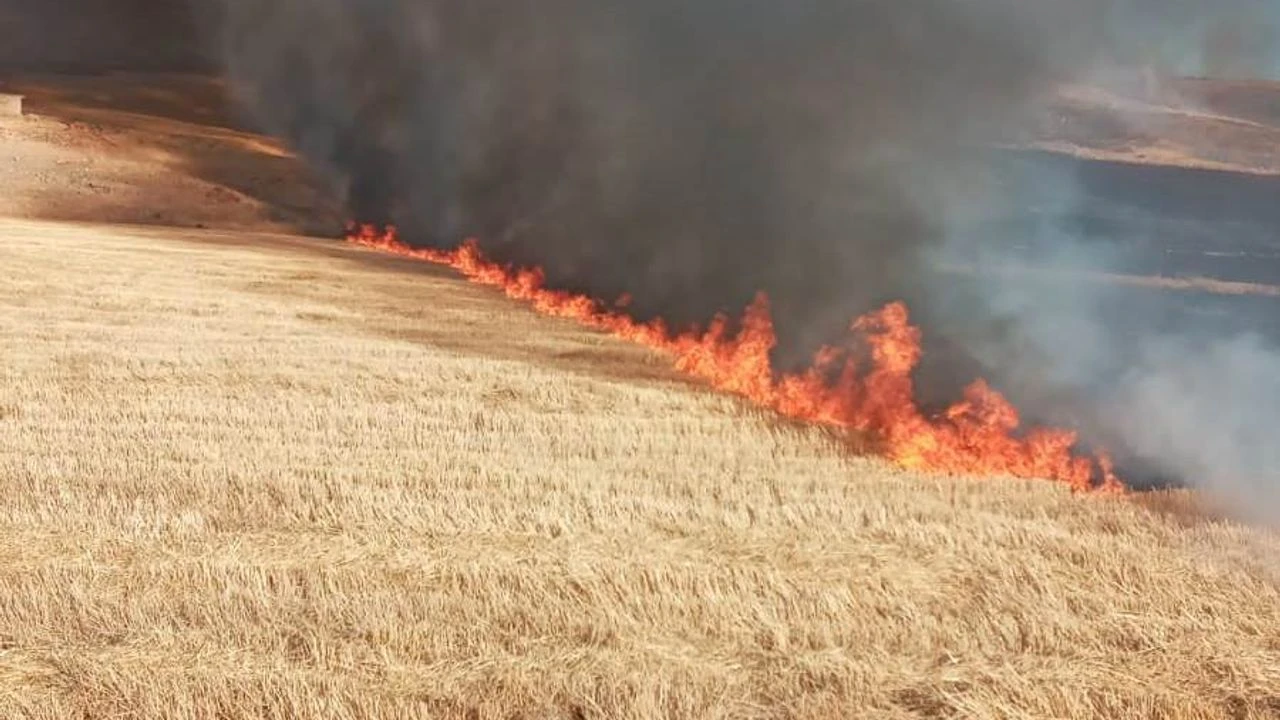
{"x": 1156, "y": 256}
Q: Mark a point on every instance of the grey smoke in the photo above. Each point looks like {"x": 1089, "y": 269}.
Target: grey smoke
{"x": 687, "y": 153}
{"x": 830, "y": 152}
{"x": 101, "y": 35}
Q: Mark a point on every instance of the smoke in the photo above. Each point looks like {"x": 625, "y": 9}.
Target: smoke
{"x": 689, "y": 154}
{"x": 833, "y": 153}
{"x": 100, "y": 35}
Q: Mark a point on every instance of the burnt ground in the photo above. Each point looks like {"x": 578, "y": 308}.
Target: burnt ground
{"x": 1217, "y": 232}
{"x": 1178, "y": 183}
{"x": 1156, "y": 253}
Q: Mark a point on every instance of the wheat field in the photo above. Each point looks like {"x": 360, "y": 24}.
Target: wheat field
{"x": 260, "y": 477}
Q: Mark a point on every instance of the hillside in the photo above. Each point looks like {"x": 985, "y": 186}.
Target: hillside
{"x": 252, "y": 473}
{"x": 166, "y": 149}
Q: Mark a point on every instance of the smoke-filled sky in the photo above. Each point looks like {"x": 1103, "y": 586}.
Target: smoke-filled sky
{"x": 824, "y": 151}
{"x": 661, "y": 148}
{"x": 97, "y": 35}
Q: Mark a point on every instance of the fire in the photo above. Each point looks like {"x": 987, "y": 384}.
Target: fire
{"x": 976, "y": 435}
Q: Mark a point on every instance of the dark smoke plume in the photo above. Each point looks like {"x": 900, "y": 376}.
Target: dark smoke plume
{"x": 91, "y": 36}
{"x": 691, "y": 153}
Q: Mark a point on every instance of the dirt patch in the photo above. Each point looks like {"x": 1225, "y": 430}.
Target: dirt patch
{"x": 151, "y": 148}
{"x": 1183, "y": 122}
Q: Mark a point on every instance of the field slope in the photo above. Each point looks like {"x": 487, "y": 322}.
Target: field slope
{"x": 249, "y": 476}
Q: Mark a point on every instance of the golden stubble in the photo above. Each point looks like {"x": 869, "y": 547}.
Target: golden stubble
{"x": 253, "y": 477}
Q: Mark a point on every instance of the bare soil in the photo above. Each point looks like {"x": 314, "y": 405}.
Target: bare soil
{"x": 154, "y": 149}
{"x": 1183, "y": 122}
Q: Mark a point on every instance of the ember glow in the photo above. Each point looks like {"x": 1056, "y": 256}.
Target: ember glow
{"x": 977, "y": 435}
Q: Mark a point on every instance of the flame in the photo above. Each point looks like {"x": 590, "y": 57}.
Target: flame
{"x": 975, "y": 436}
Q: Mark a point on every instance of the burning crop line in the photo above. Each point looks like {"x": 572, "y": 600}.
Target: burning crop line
{"x": 978, "y": 435}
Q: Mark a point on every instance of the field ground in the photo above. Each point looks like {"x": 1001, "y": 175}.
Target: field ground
{"x": 256, "y": 475}
{"x": 251, "y": 476}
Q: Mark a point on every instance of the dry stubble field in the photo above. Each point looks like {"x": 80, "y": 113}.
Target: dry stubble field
{"x": 259, "y": 477}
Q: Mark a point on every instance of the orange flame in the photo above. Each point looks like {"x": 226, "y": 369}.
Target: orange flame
{"x": 975, "y": 436}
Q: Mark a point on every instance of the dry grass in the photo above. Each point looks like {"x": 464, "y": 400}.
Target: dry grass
{"x": 247, "y": 480}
